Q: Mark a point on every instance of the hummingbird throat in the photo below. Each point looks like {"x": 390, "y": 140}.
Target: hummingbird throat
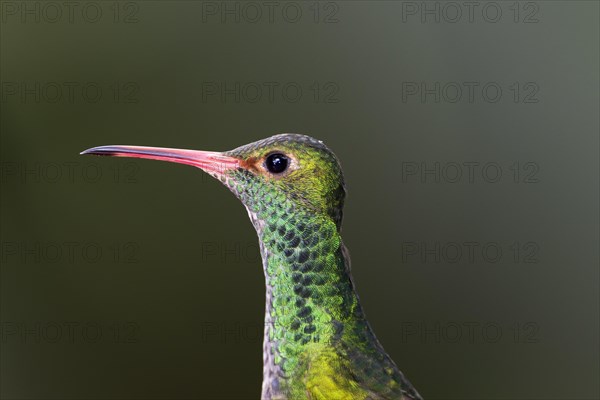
{"x": 310, "y": 298}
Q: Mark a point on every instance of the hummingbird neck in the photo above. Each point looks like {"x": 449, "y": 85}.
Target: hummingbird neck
{"x": 310, "y": 298}
{"x": 317, "y": 339}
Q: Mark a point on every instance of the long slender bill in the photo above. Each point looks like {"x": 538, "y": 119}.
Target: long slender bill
{"x": 208, "y": 161}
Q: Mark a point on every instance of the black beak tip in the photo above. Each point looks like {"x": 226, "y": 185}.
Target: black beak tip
{"x": 99, "y": 151}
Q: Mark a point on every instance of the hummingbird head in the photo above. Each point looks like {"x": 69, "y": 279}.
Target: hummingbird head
{"x": 287, "y": 170}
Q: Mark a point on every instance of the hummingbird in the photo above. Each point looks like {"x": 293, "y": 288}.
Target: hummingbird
{"x": 317, "y": 343}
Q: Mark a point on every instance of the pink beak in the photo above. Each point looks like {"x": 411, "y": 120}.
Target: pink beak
{"x": 208, "y": 161}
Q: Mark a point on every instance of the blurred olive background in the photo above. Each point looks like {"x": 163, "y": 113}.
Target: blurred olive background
{"x": 125, "y": 279}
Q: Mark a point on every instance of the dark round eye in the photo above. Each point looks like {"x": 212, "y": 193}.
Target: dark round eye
{"x": 276, "y": 163}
